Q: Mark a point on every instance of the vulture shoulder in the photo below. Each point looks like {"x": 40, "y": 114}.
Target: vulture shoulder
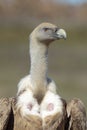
{"x": 75, "y": 119}
{"x": 6, "y": 114}
{"x": 76, "y": 114}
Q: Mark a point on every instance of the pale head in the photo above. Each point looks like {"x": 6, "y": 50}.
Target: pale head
{"x": 47, "y": 32}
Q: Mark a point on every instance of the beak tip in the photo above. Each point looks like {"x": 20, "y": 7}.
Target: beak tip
{"x": 62, "y": 34}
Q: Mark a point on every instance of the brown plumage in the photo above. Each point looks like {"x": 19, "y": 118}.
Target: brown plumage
{"x": 6, "y": 114}
{"x": 27, "y": 123}
{"x": 76, "y": 115}
{"x": 10, "y": 117}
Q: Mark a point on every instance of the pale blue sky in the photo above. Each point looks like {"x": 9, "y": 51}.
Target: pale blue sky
{"x": 72, "y": 1}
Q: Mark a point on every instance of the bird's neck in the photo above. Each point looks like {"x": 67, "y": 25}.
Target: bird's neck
{"x": 39, "y": 62}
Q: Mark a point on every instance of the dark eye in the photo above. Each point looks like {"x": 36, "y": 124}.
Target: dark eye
{"x": 45, "y": 29}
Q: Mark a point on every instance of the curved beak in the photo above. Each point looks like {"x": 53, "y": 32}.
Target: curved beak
{"x": 61, "y": 34}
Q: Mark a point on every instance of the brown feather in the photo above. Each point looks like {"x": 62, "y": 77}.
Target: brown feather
{"x": 27, "y": 123}
{"x": 77, "y": 113}
{"x": 5, "y": 110}
{"x": 11, "y": 119}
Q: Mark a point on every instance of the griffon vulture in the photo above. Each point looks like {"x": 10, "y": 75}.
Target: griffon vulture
{"x": 37, "y": 105}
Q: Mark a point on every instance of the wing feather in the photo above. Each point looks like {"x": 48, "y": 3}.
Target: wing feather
{"x": 5, "y": 109}
{"x": 76, "y": 115}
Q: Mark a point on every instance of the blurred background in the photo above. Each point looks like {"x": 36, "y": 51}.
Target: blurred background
{"x": 67, "y": 59}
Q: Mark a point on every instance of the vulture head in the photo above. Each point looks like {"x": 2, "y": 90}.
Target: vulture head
{"x": 47, "y": 33}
